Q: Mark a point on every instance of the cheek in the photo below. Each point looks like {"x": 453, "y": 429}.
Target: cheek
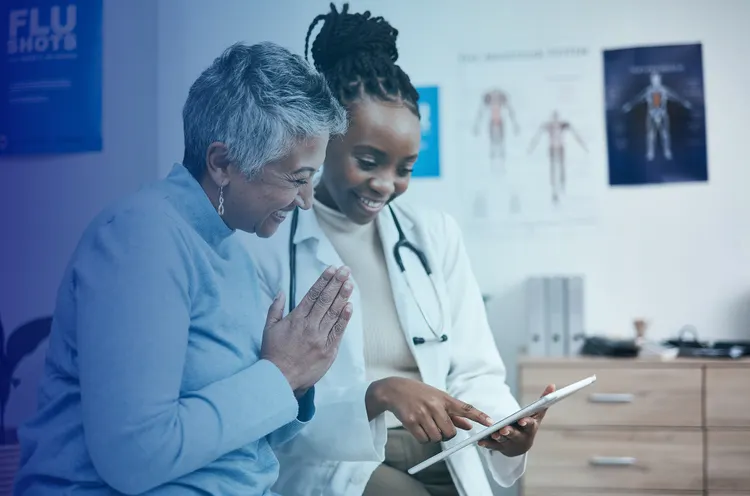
{"x": 281, "y": 199}
{"x": 401, "y": 185}
{"x": 344, "y": 174}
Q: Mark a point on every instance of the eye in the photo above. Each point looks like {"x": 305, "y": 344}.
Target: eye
{"x": 301, "y": 182}
{"x": 367, "y": 163}
{"x": 406, "y": 172}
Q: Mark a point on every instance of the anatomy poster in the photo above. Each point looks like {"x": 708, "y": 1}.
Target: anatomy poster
{"x": 655, "y": 110}
{"x": 529, "y": 136}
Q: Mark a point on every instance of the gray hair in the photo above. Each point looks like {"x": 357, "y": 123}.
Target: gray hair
{"x": 260, "y": 101}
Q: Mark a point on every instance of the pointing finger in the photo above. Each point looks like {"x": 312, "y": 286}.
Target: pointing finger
{"x": 461, "y": 409}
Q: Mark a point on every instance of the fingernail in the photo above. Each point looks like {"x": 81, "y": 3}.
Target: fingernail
{"x": 522, "y": 423}
{"x": 348, "y": 286}
{"x": 278, "y": 295}
{"x": 489, "y": 420}
{"x": 330, "y": 270}
{"x": 342, "y": 273}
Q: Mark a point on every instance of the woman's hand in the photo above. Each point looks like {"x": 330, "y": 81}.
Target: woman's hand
{"x": 517, "y": 439}
{"x": 304, "y": 344}
{"x": 429, "y": 414}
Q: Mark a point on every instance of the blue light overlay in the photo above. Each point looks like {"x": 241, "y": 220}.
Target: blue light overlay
{"x": 154, "y": 354}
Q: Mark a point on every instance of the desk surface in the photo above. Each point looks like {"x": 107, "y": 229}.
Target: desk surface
{"x": 651, "y": 362}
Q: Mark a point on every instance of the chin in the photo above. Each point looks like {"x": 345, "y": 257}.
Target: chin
{"x": 360, "y": 215}
{"x": 266, "y": 232}
{"x": 266, "y": 229}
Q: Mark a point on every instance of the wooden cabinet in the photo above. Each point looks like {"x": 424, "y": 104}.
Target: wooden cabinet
{"x": 728, "y": 397}
{"x": 728, "y": 457}
{"x": 644, "y": 427}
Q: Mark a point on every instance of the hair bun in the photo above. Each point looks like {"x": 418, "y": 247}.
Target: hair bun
{"x": 345, "y": 36}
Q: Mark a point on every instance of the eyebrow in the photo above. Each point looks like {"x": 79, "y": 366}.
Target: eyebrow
{"x": 302, "y": 170}
{"x": 380, "y": 154}
{"x": 371, "y": 149}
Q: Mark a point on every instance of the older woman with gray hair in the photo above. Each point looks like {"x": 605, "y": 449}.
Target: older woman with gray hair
{"x": 166, "y": 372}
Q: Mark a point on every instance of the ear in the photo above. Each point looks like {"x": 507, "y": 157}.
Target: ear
{"x": 217, "y": 163}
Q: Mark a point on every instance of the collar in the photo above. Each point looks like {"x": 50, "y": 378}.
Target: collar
{"x": 309, "y": 228}
{"x": 188, "y": 197}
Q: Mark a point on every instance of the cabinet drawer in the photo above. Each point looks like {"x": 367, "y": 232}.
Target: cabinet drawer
{"x": 599, "y": 492}
{"x": 728, "y": 460}
{"x": 728, "y": 397}
{"x": 655, "y": 397}
{"x": 616, "y": 459}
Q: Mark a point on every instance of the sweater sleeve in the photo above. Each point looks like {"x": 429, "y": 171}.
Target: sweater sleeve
{"x": 132, "y": 289}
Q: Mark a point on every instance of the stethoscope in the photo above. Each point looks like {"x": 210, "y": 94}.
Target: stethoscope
{"x": 402, "y": 242}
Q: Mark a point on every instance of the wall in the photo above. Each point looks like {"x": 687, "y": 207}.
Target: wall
{"x": 48, "y": 200}
{"x": 675, "y": 255}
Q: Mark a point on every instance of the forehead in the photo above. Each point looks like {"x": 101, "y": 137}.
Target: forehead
{"x": 307, "y": 154}
{"x": 385, "y": 125}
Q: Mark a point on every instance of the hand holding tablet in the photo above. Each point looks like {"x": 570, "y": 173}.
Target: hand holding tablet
{"x": 517, "y": 438}
{"x": 484, "y": 435}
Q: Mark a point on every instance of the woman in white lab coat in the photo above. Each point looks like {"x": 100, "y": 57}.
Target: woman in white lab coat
{"x": 418, "y": 358}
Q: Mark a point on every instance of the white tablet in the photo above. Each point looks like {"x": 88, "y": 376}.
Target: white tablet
{"x": 538, "y": 405}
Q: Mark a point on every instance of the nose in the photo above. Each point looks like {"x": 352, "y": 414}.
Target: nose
{"x": 383, "y": 184}
{"x": 304, "y": 197}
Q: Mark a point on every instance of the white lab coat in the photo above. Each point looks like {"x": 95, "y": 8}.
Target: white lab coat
{"x": 339, "y": 449}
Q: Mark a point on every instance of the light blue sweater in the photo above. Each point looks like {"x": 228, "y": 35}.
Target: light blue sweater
{"x": 153, "y": 383}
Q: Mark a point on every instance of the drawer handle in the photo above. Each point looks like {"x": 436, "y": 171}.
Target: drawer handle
{"x": 611, "y": 398}
{"x": 613, "y": 461}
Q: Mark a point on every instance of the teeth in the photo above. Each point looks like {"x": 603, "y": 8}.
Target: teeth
{"x": 370, "y": 203}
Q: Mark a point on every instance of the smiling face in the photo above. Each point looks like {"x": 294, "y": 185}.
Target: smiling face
{"x": 260, "y": 205}
{"x": 372, "y": 163}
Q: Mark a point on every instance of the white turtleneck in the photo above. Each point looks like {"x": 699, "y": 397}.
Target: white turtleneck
{"x": 386, "y": 350}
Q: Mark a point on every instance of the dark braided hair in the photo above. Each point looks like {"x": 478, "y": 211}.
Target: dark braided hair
{"x": 357, "y": 54}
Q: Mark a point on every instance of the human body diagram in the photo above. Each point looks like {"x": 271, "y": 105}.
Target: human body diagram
{"x": 656, "y": 96}
{"x": 496, "y": 103}
{"x": 555, "y": 128}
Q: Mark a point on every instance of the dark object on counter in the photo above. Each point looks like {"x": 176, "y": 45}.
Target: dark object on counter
{"x": 713, "y": 352}
{"x": 692, "y": 348}
{"x": 681, "y": 341}
{"x": 606, "y": 347}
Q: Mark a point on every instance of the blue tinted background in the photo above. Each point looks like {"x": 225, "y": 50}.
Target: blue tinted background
{"x": 62, "y": 107}
{"x": 428, "y": 163}
{"x": 626, "y": 133}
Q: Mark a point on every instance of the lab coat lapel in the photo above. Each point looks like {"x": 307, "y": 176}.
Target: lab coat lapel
{"x": 314, "y": 245}
{"x": 429, "y": 354}
{"x": 310, "y": 235}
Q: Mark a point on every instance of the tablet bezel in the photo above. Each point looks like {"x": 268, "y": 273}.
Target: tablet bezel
{"x": 530, "y": 409}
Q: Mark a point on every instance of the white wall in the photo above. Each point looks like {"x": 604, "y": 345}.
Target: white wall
{"x": 47, "y": 201}
{"x": 675, "y": 255}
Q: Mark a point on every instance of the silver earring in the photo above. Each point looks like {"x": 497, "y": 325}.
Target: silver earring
{"x": 221, "y": 200}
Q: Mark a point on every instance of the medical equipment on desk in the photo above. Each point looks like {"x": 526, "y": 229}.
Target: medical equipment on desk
{"x": 402, "y": 242}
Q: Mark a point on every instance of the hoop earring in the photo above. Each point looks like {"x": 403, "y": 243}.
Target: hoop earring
{"x": 220, "y": 209}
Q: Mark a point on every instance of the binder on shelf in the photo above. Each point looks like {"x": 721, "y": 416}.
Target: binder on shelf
{"x": 555, "y": 315}
{"x": 574, "y": 329}
{"x": 536, "y": 317}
